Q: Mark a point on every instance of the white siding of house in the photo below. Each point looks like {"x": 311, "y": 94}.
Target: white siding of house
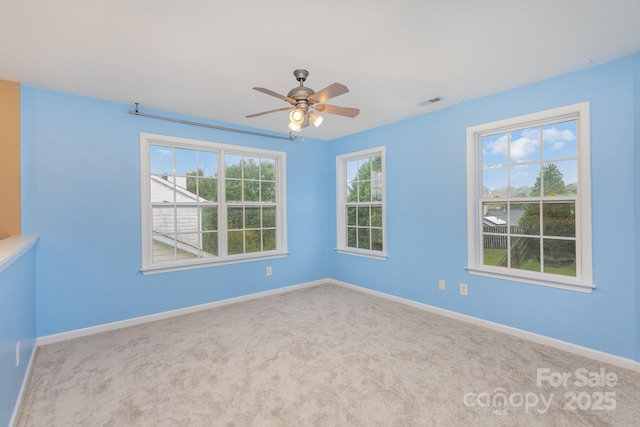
{"x": 163, "y": 219}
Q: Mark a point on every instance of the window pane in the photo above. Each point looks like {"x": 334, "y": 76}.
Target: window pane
{"x": 233, "y": 190}
{"x": 209, "y": 218}
{"x": 560, "y": 257}
{"x": 185, "y": 161}
{"x": 494, "y": 149}
{"x": 352, "y": 237}
{"x": 495, "y": 182}
{"x": 187, "y": 242}
{"x": 187, "y": 219}
{"x": 495, "y": 217}
{"x": 363, "y": 216}
{"x": 525, "y": 253}
{"x": 364, "y": 191}
{"x": 161, "y": 160}
{"x": 268, "y": 192}
{"x": 207, "y": 164}
{"x": 209, "y": 244}
{"x": 560, "y": 140}
{"x": 495, "y": 251}
{"x": 363, "y": 238}
{"x": 362, "y": 219}
{"x": 162, "y": 252}
{"x": 376, "y": 216}
{"x": 253, "y": 241}
{"x": 163, "y": 221}
{"x": 208, "y": 189}
{"x": 252, "y": 218}
{"x": 234, "y": 218}
{"x": 525, "y": 218}
{"x": 525, "y": 145}
{"x": 268, "y": 217}
{"x": 162, "y": 190}
{"x": 525, "y": 181}
{"x": 376, "y": 165}
{"x": 352, "y": 171}
{"x": 186, "y": 254}
{"x": 268, "y": 240}
{"x": 364, "y": 169}
{"x": 376, "y": 194}
{"x": 251, "y": 191}
{"x": 233, "y": 166}
{"x": 190, "y": 184}
{"x": 352, "y": 191}
{"x": 351, "y": 216}
{"x": 235, "y": 242}
{"x": 268, "y": 169}
{"x": 251, "y": 168}
{"x": 182, "y": 253}
{"x": 559, "y": 219}
{"x": 560, "y": 178}
{"x": 376, "y": 239}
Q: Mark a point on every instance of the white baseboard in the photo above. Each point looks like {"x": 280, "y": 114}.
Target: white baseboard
{"x": 23, "y": 387}
{"x": 529, "y": 336}
{"x": 76, "y": 333}
{"x": 520, "y": 333}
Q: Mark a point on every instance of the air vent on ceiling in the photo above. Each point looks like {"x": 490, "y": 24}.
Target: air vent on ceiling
{"x": 429, "y": 101}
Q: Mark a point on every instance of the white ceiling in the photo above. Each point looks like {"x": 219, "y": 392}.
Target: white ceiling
{"x": 202, "y": 57}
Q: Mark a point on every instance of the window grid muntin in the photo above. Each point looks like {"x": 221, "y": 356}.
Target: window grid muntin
{"x": 369, "y": 227}
{"x": 349, "y": 181}
{"x": 192, "y": 241}
{"x": 541, "y": 199}
{"x": 278, "y": 159}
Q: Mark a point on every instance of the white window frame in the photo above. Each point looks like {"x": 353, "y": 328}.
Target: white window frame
{"x": 583, "y": 282}
{"x": 148, "y": 267}
{"x": 341, "y": 202}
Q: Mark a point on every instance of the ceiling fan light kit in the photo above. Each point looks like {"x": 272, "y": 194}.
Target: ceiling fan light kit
{"x": 306, "y": 103}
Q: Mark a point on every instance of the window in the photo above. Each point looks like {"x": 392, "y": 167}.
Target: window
{"x": 529, "y": 215}
{"x": 205, "y": 203}
{"x": 361, "y": 203}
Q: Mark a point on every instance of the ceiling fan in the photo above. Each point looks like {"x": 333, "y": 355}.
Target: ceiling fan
{"x": 307, "y": 104}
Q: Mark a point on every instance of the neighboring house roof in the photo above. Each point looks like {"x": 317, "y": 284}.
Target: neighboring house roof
{"x": 169, "y": 185}
{"x": 493, "y": 220}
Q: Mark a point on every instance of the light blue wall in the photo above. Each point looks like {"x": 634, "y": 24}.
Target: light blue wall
{"x": 81, "y": 195}
{"x": 426, "y": 213}
{"x": 17, "y": 324}
{"x": 636, "y": 109}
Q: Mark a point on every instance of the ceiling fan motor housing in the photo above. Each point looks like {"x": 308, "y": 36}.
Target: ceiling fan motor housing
{"x": 301, "y": 95}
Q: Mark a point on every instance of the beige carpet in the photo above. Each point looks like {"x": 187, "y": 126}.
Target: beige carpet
{"x": 320, "y": 356}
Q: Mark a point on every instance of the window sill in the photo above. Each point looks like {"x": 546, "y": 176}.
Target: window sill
{"x": 549, "y": 280}
{"x": 178, "y": 266}
{"x": 365, "y": 254}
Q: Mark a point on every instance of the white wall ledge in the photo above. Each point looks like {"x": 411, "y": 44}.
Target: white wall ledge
{"x": 12, "y": 248}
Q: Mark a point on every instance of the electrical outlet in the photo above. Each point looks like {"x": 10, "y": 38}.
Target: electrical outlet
{"x": 18, "y": 354}
{"x": 269, "y": 271}
{"x": 441, "y": 285}
{"x": 464, "y": 289}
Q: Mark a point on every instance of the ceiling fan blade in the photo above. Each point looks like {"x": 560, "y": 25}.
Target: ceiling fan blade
{"x": 268, "y": 112}
{"x": 277, "y": 95}
{"x": 328, "y": 92}
{"x": 340, "y": 111}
